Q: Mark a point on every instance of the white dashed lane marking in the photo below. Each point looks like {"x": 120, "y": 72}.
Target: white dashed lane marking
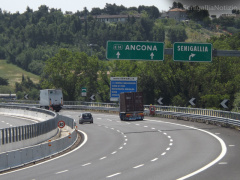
{"x": 61, "y": 172}
{"x": 138, "y": 166}
{"x": 222, "y": 163}
{"x": 103, "y": 158}
{"x": 154, "y": 159}
{"x": 86, "y": 164}
{"x": 113, "y": 175}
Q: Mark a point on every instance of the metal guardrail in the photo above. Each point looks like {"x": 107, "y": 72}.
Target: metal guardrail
{"x": 227, "y": 117}
{"x": 224, "y": 117}
{"x": 217, "y": 116}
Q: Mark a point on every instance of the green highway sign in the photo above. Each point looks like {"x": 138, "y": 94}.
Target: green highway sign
{"x": 84, "y": 91}
{"x": 192, "y": 52}
{"x": 135, "y": 50}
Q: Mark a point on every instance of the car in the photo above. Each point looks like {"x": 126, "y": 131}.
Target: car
{"x": 85, "y": 117}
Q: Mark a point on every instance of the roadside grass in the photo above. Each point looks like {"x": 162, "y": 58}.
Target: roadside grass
{"x": 14, "y": 74}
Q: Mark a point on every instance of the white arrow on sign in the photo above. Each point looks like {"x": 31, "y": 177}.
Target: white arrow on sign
{"x": 160, "y": 101}
{"x": 152, "y": 55}
{"x": 26, "y": 96}
{"x": 118, "y": 54}
{"x": 191, "y": 56}
{"x": 191, "y": 101}
{"x": 223, "y": 103}
{"x": 92, "y": 97}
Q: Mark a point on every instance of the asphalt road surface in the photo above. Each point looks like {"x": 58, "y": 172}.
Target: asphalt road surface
{"x": 13, "y": 121}
{"x": 153, "y": 149}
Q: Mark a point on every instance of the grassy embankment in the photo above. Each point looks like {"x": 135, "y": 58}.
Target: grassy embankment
{"x": 13, "y": 74}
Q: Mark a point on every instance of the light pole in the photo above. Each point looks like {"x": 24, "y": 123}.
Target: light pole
{"x": 91, "y": 45}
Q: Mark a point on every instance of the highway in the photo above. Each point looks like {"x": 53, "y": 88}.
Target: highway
{"x": 13, "y": 121}
{"x": 155, "y": 148}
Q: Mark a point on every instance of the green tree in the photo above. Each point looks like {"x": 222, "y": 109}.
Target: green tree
{"x": 70, "y": 71}
{"x": 177, "y": 34}
{"x": 3, "y": 81}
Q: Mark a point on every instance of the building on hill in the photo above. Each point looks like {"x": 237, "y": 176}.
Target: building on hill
{"x": 176, "y": 13}
{"x": 230, "y": 15}
{"x": 113, "y": 18}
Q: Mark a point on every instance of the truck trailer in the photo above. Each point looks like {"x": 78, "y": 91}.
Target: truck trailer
{"x": 131, "y": 106}
{"x": 51, "y": 99}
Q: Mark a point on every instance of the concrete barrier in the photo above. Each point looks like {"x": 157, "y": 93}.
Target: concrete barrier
{"x": 20, "y": 145}
{"x": 27, "y": 135}
{"x": 16, "y": 158}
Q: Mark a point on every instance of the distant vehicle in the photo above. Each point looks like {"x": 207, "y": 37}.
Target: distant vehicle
{"x": 85, "y": 117}
{"x": 131, "y": 106}
{"x": 51, "y": 99}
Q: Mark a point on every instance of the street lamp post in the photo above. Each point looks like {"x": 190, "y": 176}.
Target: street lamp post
{"x": 91, "y": 45}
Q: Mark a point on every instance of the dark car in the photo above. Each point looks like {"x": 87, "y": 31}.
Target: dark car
{"x": 85, "y": 117}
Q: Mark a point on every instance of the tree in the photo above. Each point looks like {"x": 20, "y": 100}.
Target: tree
{"x": 96, "y": 11}
{"x": 197, "y": 14}
{"x": 152, "y": 11}
{"x": 70, "y": 71}
{"x": 177, "y": 5}
{"x": 3, "y": 81}
{"x": 177, "y": 34}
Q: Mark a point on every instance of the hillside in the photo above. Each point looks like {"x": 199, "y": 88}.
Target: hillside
{"x": 200, "y": 35}
{"x": 13, "y": 74}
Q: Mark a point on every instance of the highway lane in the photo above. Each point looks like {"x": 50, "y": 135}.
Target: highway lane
{"x": 139, "y": 150}
{"x": 13, "y": 121}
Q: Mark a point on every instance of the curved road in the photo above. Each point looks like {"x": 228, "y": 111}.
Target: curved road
{"x": 7, "y": 121}
{"x": 152, "y": 149}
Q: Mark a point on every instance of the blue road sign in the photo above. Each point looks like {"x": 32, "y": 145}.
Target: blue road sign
{"x": 122, "y": 84}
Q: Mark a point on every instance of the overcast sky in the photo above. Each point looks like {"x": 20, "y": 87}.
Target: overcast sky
{"x": 74, "y": 5}
{"x": 214, "y": 6}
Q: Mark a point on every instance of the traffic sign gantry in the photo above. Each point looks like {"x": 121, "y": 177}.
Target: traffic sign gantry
{"x": 192, "y": 52}
{"x": 135, "y": 50}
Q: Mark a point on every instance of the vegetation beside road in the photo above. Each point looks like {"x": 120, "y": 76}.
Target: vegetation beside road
{"x": 55, "y": 47}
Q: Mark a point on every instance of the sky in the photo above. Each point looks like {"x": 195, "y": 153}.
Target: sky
{"x": 75, "y": 5}
{"x": 214, "y": 6}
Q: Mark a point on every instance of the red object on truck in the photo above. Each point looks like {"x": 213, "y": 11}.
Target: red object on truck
{"x": 131, "y": 106}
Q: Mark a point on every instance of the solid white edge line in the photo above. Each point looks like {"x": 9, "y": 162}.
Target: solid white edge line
{"x": 84, "y": 142}
{"x": 221, "y": 155}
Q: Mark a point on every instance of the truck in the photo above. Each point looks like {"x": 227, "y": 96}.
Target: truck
{"x": 51, "y": 99}
{"x": 131, "y": 106}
